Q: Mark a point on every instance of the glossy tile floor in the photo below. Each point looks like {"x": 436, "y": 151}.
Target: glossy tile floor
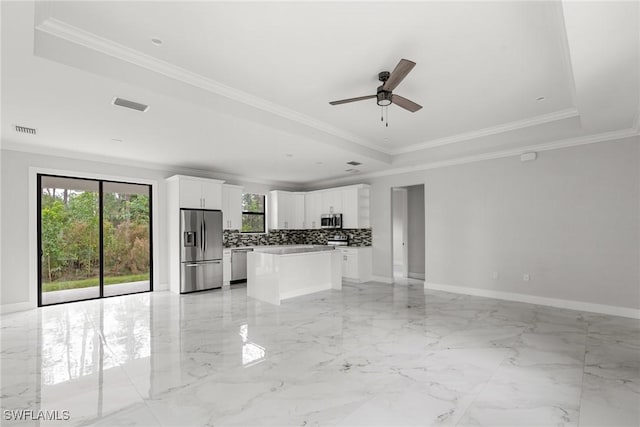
{"x": 372, "y": 354}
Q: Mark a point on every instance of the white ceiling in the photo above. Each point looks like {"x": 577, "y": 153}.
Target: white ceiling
{"x": 244, "y": 87}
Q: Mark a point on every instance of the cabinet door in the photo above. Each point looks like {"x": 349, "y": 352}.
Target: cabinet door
{"x": 191, "y": 193}
{"x": 349, "y": 264}
{"x": 332, "y": 201}
{"x": 350, "y": 208}
{"x": 212, "y": 195}
{"x": 312, "y": 210}
{"x": 285, "y": 210}
{"x": 235, "y": 208}
{"x": 231, "y": 207}
{"x": 298, "y": 219}
{"x": 280, "y": 207}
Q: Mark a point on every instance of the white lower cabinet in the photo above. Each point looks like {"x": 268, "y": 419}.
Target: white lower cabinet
{"x": 356, "y": 263}
{"x": 226, "y": 267}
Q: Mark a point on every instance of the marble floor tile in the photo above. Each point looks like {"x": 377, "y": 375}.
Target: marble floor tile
{"x": 371, "y": 354}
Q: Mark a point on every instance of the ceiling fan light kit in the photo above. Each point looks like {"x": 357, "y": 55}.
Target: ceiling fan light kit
{"x": 384, "y": 94}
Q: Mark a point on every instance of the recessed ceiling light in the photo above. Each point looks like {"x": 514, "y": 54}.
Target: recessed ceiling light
{"x": 540, "y": 98}
{"x": 319, "y": 163}
{"x": 289, "y": 155}
{"x": 354, "y": 163}
{"x": 156, "y": 42}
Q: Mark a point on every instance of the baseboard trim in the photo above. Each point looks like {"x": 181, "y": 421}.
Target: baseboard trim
{"x": 532, "y": 299}
{"x": 419, "y": 276}
{"x": 19, "y": 306}
{"x": 382, "y": 279}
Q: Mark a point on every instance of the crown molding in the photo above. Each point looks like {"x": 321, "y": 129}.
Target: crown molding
{"x": 161, "y": 167}
{"x": 108, "y": 47}
{"x": 547, "y": 146}
{"x": 493, "y": 130}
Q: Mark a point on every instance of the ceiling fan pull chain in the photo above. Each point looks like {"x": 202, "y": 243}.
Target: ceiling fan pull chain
{"x": 387, "y": 108}
{"x": 381, "y": 113}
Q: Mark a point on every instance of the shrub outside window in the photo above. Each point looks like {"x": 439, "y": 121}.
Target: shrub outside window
{"x": 253, "y": 213}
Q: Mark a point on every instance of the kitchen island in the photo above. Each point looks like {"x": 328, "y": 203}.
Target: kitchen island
{"x": 277, "y": 273}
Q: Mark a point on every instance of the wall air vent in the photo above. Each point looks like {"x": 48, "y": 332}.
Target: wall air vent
{"x": 354, "y": 163}
{"x": 130, "y": 104}
{"x": 22, "y": 129}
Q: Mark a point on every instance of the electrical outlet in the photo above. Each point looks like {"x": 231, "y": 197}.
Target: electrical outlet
{"x": 526, "y": 277}
{"x": 495, "y": 275}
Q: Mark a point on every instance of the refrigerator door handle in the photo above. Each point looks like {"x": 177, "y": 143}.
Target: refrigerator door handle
{"x": 201, "y": 237}
{"x": 200, "y": 264}
{"x": 204, "y": 224}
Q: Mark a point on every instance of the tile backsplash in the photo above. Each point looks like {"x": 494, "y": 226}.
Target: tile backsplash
{"x": 357, "y": 237}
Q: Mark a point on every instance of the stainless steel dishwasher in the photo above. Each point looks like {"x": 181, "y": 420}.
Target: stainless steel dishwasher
{"x": 239, "y": 263}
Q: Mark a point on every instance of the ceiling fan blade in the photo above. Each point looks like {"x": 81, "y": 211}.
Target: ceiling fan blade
{"x": 405, "y": 103}
{"x": 398, "y": 74}
{"x": 360, "y": 98}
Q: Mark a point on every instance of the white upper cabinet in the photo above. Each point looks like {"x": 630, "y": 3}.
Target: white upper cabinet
{"x": 286, "y": 210}
{"x": 231, "y": 207}
{"x": 298, "y": 218}
{"x": 294, "y": 211}
{"x": 198, "y": 193}
{"x": 331, "y": 201}
{"x": 355, "y": 207}
{"x": 312, "y": 209}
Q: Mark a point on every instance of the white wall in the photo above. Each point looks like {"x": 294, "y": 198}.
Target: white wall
{"x": 18, "y": 274}
{"x": 398, "y": 218}
{"x": 416, "y": 232}
{"x": 570, "y": 219}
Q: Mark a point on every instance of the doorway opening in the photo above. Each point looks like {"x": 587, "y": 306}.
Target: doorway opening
{"x": 408, "y": 232}
{"x": 94, "y": 239}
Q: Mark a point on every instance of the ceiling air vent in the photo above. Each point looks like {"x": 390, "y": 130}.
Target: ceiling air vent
{"x": 130, "y": 104}
{"x": 354, "y": 163}
{"x": 22, "y": 129}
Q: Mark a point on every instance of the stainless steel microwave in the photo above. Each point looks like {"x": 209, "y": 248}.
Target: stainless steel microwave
{"x": 331, "y": 220}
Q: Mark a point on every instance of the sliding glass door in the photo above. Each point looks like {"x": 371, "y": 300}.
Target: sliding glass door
{"x": 127, "y": 233}
{"x": 94, "y": 239}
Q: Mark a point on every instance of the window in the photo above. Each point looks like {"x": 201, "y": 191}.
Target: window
{"x": 253, "y": 217}
{"x": 94, "y": 237}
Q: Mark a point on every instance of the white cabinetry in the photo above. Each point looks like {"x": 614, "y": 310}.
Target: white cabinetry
{"x": 355, "y": 206}
{"x": 197, "y": 193}
{"x": 312, "y": 209}
{"x": 297, "y": 220}
{"x": 286, "y": 210}
{"x": 356, "y": 263}
{"x": 331, "y": 201}
{"x": 231, "y": 207}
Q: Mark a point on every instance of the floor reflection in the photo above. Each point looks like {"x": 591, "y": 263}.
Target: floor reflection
{"x": 252, "y": 353}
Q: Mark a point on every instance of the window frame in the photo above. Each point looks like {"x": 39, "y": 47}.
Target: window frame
{"x": 263, "y": 214}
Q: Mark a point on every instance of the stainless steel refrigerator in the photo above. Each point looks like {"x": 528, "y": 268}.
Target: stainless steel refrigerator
{"x": 200, "y": 250}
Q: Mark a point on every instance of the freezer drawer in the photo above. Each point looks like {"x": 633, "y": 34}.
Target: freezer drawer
{"x": 198, "y": 276}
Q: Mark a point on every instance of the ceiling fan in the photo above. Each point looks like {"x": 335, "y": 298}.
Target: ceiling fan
{"x": 390, "y": 81}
